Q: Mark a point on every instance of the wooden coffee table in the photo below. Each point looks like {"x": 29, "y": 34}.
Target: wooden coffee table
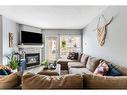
{"x": 41, "y": 70}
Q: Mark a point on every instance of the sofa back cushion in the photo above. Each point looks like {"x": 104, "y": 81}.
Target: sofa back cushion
{"x": 83, "y": 59}
{"x": 80, "y": 56}
{"x": 36, "y": 81}
{"x": 92, "y": 63}
{"x": 10, "y": 81}
{"x": 104, "y": 82}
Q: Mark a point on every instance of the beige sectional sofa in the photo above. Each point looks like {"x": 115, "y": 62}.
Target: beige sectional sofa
{"x": 80, "y": 77}
{"x": 87, "y": 64}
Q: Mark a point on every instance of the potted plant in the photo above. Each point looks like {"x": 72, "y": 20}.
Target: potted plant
{"x": 13, "y": 63}
{"x": 45, "y": 63}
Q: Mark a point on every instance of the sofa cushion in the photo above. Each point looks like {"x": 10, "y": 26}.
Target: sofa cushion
{"x": 102, "y": 69}
{"x": 75, "y": 65}
{"x": 36, "y": 81}
{"x": 92, "y": 63}
{"x": 10, "y": 81}
{"x": 79, "y": 71}
{"x": 84, "y": 59}
{"x": 104, "y": 82}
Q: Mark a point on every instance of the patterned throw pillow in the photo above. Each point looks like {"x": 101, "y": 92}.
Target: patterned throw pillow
{"x": 76, "y": 56}
{"x": 73, "y": 56}
{"x": 5, "y": 70}
{"x": 102, "y": 69}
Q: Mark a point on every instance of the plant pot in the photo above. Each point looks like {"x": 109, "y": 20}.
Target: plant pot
{"x": 45, "y": 67}
{"x": 14, "y": 71}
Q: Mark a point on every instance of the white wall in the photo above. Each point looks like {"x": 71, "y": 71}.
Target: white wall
{"x": 8, "y": 26}
{"x": 115, "y": 47}
{"x": 30, "y": 28}
{"x": 61, "y": 31}
{"x": 0, "y": 39}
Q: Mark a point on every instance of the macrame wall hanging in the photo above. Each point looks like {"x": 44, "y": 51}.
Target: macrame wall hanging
{"x": 102, "y": 30}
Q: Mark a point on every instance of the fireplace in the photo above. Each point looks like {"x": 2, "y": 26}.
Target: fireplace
{"x": 32, "y": 59}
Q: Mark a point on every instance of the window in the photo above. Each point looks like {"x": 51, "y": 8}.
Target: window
{"x": 69, "y": 43}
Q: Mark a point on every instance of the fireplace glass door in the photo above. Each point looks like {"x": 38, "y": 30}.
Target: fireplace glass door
{"x": 32, "y": 59}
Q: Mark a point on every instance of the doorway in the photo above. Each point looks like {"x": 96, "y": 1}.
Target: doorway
{"x": 51, "y": 47}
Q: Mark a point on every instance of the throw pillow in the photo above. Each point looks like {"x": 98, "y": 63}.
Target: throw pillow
{"x": 76, "y": 56}
{"x": 8, "y": 71}
{"x": 113, "y": 71}
{"x": 102, "y": 69}
{"x": 73, "y": 56}
{"x": 3, "y": 72}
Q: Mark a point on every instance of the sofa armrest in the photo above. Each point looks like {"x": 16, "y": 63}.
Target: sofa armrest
{"x": 64, "y": 63}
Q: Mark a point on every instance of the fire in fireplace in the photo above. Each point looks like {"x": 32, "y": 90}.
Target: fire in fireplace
{"x": 32, "y": 59}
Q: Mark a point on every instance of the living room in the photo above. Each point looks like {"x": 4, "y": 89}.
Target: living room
{"x": 63, "y": 47}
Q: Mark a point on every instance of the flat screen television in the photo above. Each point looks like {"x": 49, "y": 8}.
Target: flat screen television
{"x": 30, "y": 38}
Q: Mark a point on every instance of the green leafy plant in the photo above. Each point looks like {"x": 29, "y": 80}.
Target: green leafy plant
{"x": 45, "y": 63}
{"x": 13, "y": 63}
{"x": 63, "y": 44}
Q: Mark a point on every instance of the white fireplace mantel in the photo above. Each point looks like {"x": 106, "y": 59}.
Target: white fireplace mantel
{"x": 30, "y": 46}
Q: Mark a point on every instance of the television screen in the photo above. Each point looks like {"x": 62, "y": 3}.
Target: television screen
{"x": 31, "y": 38}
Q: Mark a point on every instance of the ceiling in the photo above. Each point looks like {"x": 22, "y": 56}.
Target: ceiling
{"x": 52, "y": 17}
